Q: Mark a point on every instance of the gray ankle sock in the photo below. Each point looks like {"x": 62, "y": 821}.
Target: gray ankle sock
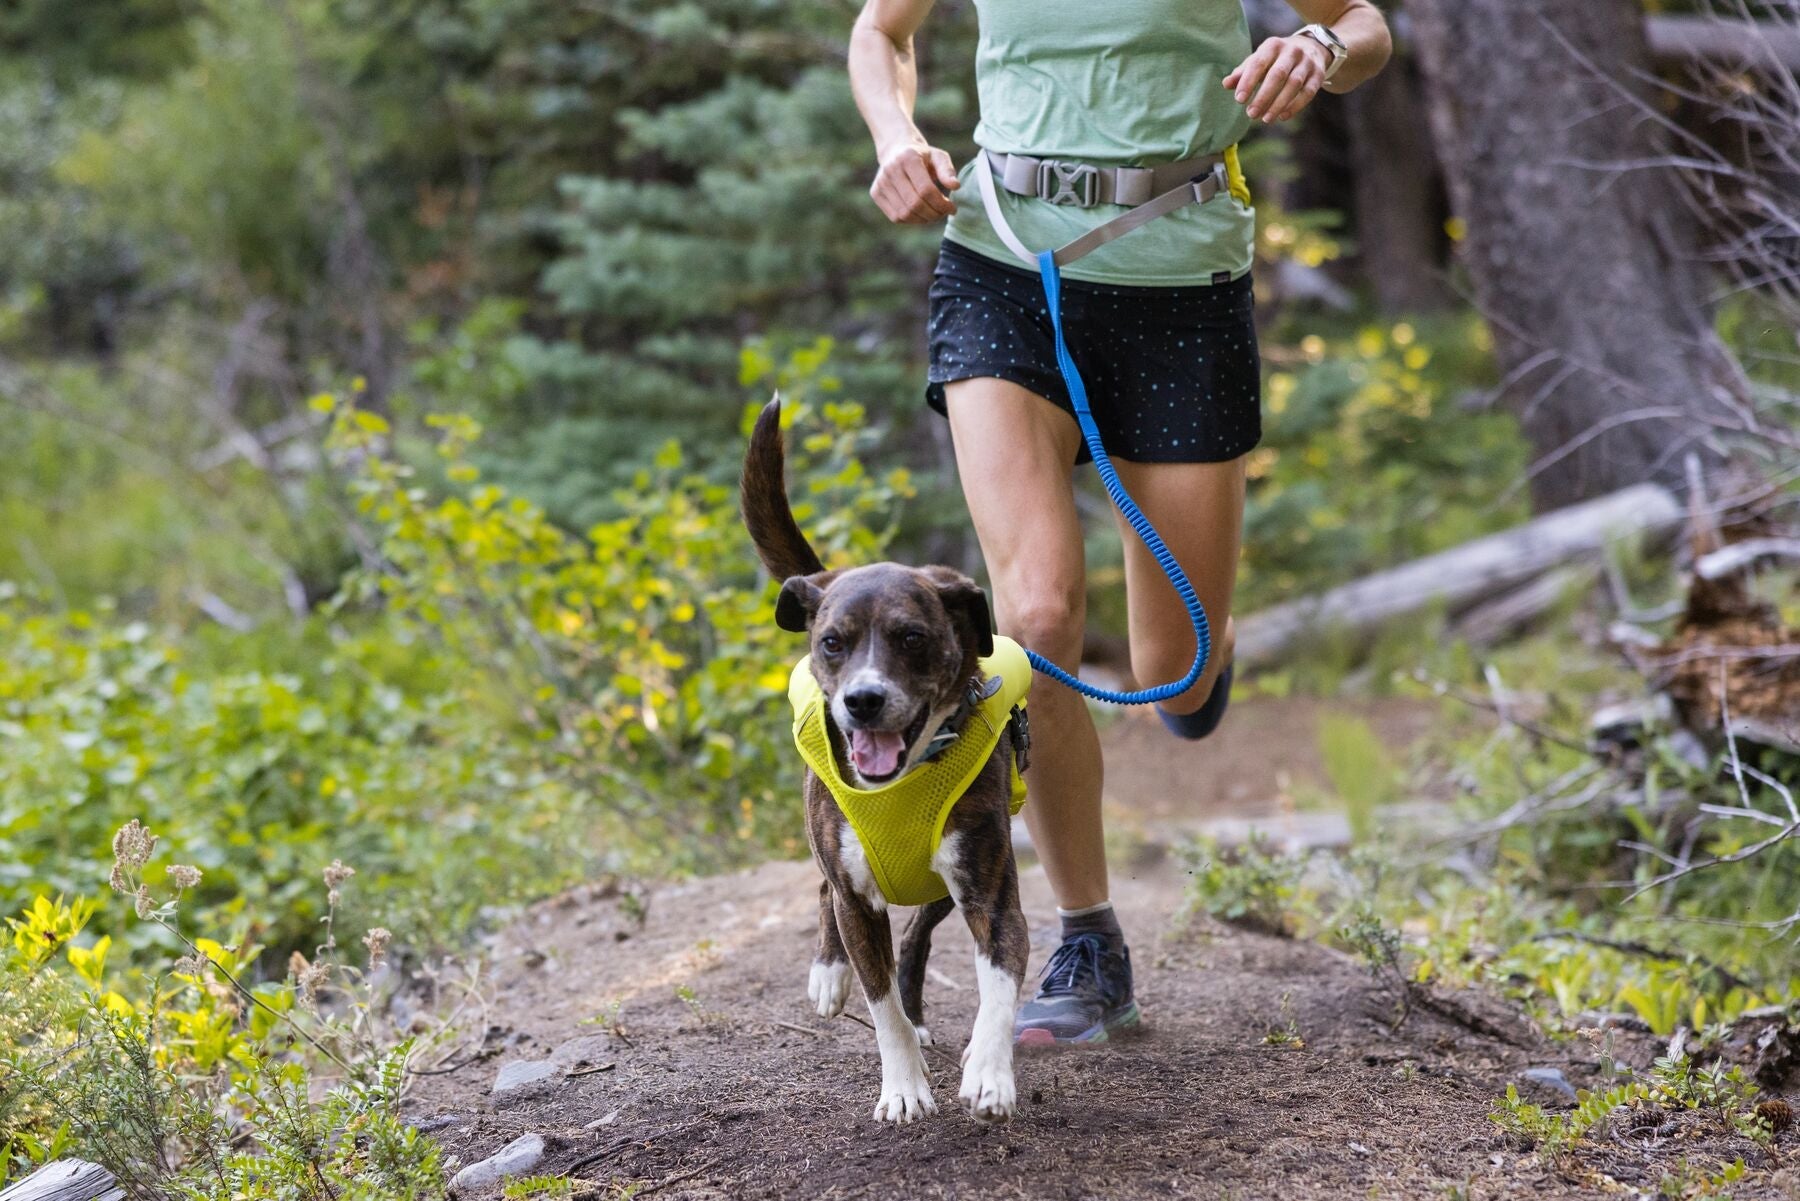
{"x": 1095, "y": 919}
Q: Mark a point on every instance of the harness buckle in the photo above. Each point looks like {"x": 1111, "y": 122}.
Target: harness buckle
{"x": 1075, "y": 184}
{"x": 1020, "y": 722}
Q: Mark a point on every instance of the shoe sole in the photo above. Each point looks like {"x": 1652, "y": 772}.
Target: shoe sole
{"x": 1037, "y": 1036}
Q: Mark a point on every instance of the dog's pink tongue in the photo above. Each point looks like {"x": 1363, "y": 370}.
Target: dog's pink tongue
{"x": 876, "y": 752}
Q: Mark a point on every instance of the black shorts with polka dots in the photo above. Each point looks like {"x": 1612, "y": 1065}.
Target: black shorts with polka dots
{"x": 1172, "y": 373}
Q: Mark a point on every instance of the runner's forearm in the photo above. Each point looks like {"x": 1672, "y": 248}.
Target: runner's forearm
{"x": 884, "y": 75}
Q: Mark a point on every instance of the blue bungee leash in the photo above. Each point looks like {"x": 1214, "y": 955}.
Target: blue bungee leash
{"x": 1090, "y": 433}
{"x": 1082, "y": 184}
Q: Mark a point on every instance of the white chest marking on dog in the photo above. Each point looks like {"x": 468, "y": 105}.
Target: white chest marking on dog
{"x": 855, "y": 862}
{"x": 944, "y": 862}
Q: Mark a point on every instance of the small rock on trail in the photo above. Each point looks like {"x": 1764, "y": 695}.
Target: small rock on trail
{"x": 525, "y": 1074}
{"x": 515, "y": 1159}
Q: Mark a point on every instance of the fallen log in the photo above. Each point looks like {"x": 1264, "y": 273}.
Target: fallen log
{"x": 1458, "y": 578}
{"x": 1760, "y": 45}
{"x": 66, "y": 1180}
{"x": 1735, "y": 557}
{"x": 1494, "y": 621}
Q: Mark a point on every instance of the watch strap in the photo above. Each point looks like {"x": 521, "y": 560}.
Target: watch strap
{"x": 1334, "y": 46}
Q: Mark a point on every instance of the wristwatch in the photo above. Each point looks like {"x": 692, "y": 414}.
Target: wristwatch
{"x": 1334, "y": 46}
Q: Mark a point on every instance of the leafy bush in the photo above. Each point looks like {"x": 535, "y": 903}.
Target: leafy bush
{"x": 493, "y": 708}
{"x": 640, "y": 662}
{"x": 187, "y": 1082}
{"x": 1252, "y": 885}
{"x": 1371, "y": 457}
{"x": 263, "y": 778}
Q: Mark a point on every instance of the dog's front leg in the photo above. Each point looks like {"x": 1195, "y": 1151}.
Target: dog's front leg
{"x": 905, "y": 1088}
{"x": 986, "y": 887}
{"x": 828, "y": 982}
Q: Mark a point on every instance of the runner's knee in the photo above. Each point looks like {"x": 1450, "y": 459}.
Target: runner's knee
{"x": 1049, "y": 622}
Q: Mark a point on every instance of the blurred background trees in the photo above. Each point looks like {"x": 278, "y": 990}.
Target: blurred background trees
{"x": 373, "y": 376}
{"x": 1542, "y": 257}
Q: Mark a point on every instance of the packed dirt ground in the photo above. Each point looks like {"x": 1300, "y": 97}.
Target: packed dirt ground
{"x": 659, "y": 1042}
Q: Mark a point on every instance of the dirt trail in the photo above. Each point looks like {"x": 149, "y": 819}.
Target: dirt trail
{"x": 740, "y": 1091}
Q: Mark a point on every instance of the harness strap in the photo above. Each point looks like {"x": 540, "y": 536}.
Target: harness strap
{"x": 1189, "y": 191}
{"x": 1063, "y": 181}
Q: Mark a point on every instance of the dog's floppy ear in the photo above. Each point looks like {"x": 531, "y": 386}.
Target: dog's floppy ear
{"x": 799, "y": 600}
{"x": 968, "y": 606}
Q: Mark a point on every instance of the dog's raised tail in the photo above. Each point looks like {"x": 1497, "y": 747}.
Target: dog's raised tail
{"x": 762, "y": 495}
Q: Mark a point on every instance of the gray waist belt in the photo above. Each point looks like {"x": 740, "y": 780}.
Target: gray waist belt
{"x": 1151, "y": 192}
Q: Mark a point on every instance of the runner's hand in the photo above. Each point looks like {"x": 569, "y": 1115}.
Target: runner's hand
{"x": 1280, "y": 78}
{"x": 910, "y": 187}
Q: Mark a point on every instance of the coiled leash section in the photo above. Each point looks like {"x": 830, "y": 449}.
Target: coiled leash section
{"x": 1218, "y": 180}
{"x": 1090, "y": 433}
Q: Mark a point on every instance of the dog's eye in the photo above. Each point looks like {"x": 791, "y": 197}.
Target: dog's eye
{"x": 831, "y": 644}
{"x": 912, "y": 640}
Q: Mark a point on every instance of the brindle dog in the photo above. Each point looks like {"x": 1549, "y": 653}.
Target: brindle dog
{"x": 894, "y": 649}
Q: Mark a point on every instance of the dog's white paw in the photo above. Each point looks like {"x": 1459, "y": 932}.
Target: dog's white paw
{"x": 924, "y": 1033}
{"x": 828, "y": 987}
{"x": 988, "y": 1092}
{"x": 905, "y": 1100}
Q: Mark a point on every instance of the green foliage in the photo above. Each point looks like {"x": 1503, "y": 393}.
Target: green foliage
{"x": 1361, "y": 771}
{"x": 188, "y": 1083}
{"x": 1689, "y": 1182}
{"x": 136, "y": 38}
{"x": 1252, "y": 885}
{"x": 639, "y": 661}
{"x": 1671, "y": 1084}
{"x": 1678, "y": 1080}
{"x": 1558, "y": 1134}
{"x": 220, "y": 164}
{"x": 263, "y": 777}
{"x": 495, "y": 708}
{"x": 1286, "y": 1032}
{"x": 1369, "y": 457}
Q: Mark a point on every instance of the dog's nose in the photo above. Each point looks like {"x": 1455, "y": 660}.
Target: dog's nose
{"x": 865, "y": 704}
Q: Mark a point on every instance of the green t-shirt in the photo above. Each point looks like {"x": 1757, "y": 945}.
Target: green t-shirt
{"x": 1126, "y": 83}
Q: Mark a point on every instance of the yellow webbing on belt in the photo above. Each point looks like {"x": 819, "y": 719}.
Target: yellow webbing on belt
{"x": 1237, "y": 185}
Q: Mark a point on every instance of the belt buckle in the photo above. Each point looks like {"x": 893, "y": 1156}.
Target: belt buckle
{"x": 1075, "y": 184}
{"x": 1215, "y": 182}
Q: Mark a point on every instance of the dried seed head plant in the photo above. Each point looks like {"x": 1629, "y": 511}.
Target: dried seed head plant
{"x": 202, "y": 1081}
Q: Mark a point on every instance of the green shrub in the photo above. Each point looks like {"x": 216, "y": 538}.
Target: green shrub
{"x": 492, "y": 709}
{"x": 263, "y": 778}
{"x": 1253, "y": 885}
{"x": 1369, "y": 458}
{"x": 186, "y": 1081}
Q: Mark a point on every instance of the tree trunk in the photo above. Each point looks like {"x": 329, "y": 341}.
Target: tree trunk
{"x": 1582, "y": 257}
{"x": 1399, "y": 190}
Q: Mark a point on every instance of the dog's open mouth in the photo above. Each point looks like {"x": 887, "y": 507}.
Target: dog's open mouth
{"x": 877, "y": 754}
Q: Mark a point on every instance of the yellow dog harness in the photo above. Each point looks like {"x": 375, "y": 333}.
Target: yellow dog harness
{"x": 901, "y": 824}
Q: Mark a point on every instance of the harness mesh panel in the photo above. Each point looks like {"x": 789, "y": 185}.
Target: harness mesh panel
{"x": 901, "y": 824}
